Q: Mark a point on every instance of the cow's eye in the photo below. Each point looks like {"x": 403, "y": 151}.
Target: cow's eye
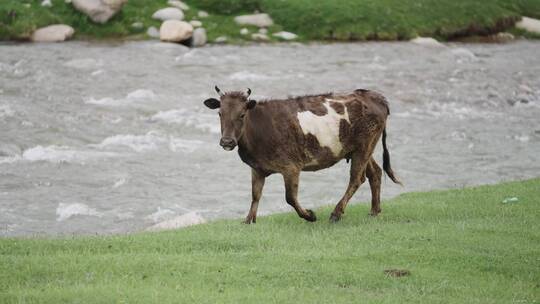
{"x": 242, "y": 116}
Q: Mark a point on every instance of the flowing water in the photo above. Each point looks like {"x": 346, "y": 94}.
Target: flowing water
{"x": 112, "y": 138}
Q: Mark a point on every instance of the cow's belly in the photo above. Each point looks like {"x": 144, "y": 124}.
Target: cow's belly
{"x": 322, "y": 140}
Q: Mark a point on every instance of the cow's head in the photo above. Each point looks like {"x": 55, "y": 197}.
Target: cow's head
{"x": 233, "y": 107}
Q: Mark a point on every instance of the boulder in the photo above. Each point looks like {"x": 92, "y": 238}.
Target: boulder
{"x": 285, "y": 35}
{"x": 179, "y": 4}
{"x": 195, "y": 23}
{"x": 259, "y": 20}
{"x": 259, "y": 37}
{"x": 529, "y": 24}
{"x": 175, "y": 31}
{"x": 169, "y": 13}
{"x": 53, "y": 33}
{"x": 137, "y": 25}
{"x": 99, "y": 11}
{"x": 152, "y": 32}
{"x": 427, "y": 41}
{"x": 263, "y": 31}
{"x": 46, "y": 3}
{"x": 199, "y": 37}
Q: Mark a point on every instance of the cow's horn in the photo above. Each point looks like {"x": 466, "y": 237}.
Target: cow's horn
{"x": 218, "y": 91}
{"x": 248, "y": 92}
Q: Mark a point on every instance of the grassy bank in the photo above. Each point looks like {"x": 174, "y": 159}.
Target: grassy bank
{"x": 312, "y": 20}
{"x": 460, "y": 246}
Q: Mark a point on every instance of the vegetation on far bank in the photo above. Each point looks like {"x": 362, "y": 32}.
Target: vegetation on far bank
{"x": 459, "y": 246}
{"x": 311, "y": 20}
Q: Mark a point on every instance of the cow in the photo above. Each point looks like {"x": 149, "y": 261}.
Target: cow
{"x": 306, "y": 133}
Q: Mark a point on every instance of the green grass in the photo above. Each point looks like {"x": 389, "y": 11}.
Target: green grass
{"x": 460, "y": 246}
{"x": 312, "y": 20}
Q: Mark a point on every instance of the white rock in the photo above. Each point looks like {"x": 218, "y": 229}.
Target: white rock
{"x": 46, "y": 3}
{"x": 199, "y": 37}
{"x": 259, "y": 37}
{"x": 100, "y": 11}
{"x": 427, "y": 41}
{"x": 169, "y": 13}
{"x": 529, "y": 24}
{"x": 244, "y": 31}
{"x": 285, "y": 35}
{"x": 68, "y": 1}
{"x": 195, "y": 23}
{"x": 221, "y": 39}
{"x": 175, "y": 31}
{"x": 53, "y": 33}
{"x": 263, "y": 31}
{"x": 202, "y": 14}
{"x": 137, "y": 25}
{"x": 179, "y": 4}
{"x": 185, "y": 220}
{"x": 259, "y": 20}
{"x": 152, "y": 32}
{"x": 503, "y": 37}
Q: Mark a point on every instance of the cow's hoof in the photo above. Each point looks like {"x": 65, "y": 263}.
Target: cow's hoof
{"x": 311, "y": 216}
{"x": 248, "y": 221}
{"x": 334, "y": 218}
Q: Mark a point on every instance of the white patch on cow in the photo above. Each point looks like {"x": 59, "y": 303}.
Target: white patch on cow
{"x": 324, "y": 128}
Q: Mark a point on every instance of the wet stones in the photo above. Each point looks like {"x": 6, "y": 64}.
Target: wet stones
{"x": 53, "y": 33}
{"x": 427, "y": 41}
{"x": 285, "y": 35}
{"x": 199, "y": 37}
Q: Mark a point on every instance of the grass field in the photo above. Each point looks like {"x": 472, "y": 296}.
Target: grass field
{"x": 312, "y": 20}
{"x": 459, "y": 246}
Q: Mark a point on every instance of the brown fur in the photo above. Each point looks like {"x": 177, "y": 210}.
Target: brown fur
{"x": 271, "y": 140}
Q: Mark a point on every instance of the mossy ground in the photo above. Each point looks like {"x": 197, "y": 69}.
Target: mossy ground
{"x": 459, "y": 246}
{"x": 312, "y": 20}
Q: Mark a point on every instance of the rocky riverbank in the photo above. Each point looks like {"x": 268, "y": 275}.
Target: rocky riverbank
{"x": 196, "y": 23}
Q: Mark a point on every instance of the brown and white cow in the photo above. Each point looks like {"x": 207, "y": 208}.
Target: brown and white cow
{"x": 306, "y": 133}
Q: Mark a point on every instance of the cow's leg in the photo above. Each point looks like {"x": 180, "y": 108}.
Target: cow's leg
{"x": 257, "y": 184}
{"x": 357, "y": 177}
{"x": 291, "y": 180}
{"x": 374, "y": 175}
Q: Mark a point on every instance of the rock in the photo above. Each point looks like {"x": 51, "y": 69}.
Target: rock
{"x": 259, "y": 20}
{"x": 285, "y": 35}
{"x": 199, "y": 37}
{"x": 68, "y": 1}
{"x": 263, "y": 31}
{"x": 46, "y": 3}
{"x": 188, "y": 219}
{"x": 221, "y": 39}
{"x": 169, "y": 13}
{"x": 244, "y": 31}
{"x": 179, "y": 4}
{"x": 259, "y": 37}
{"x": 137, "y": 26}
{"x": 427, "y": 41}
{"x": 529, "y": 25}
{"x": 202, "y": 14}
{"x": 99, "y": 11}
{"x": 502, "y": 37}
{"x": 53, "y": 33}
{"x": 195, "y": 23}
{"x": 175, "y": 31}
{"x": 152, "y": 32}
{"x": 463, "y": 55}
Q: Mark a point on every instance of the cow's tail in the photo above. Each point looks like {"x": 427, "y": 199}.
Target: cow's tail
{"x": 386, "y": 160}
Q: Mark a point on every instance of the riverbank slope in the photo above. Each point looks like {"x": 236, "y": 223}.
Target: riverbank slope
{"x": 343, "y": 20}
{"x": 463, "y": 246}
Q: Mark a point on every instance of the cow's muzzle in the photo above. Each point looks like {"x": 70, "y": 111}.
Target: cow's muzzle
{"x": 227, "y": 143}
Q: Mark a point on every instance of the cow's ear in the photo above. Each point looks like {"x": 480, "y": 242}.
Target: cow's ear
{"x": 212, "y": 103}
{"x": 251, "y": 104}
